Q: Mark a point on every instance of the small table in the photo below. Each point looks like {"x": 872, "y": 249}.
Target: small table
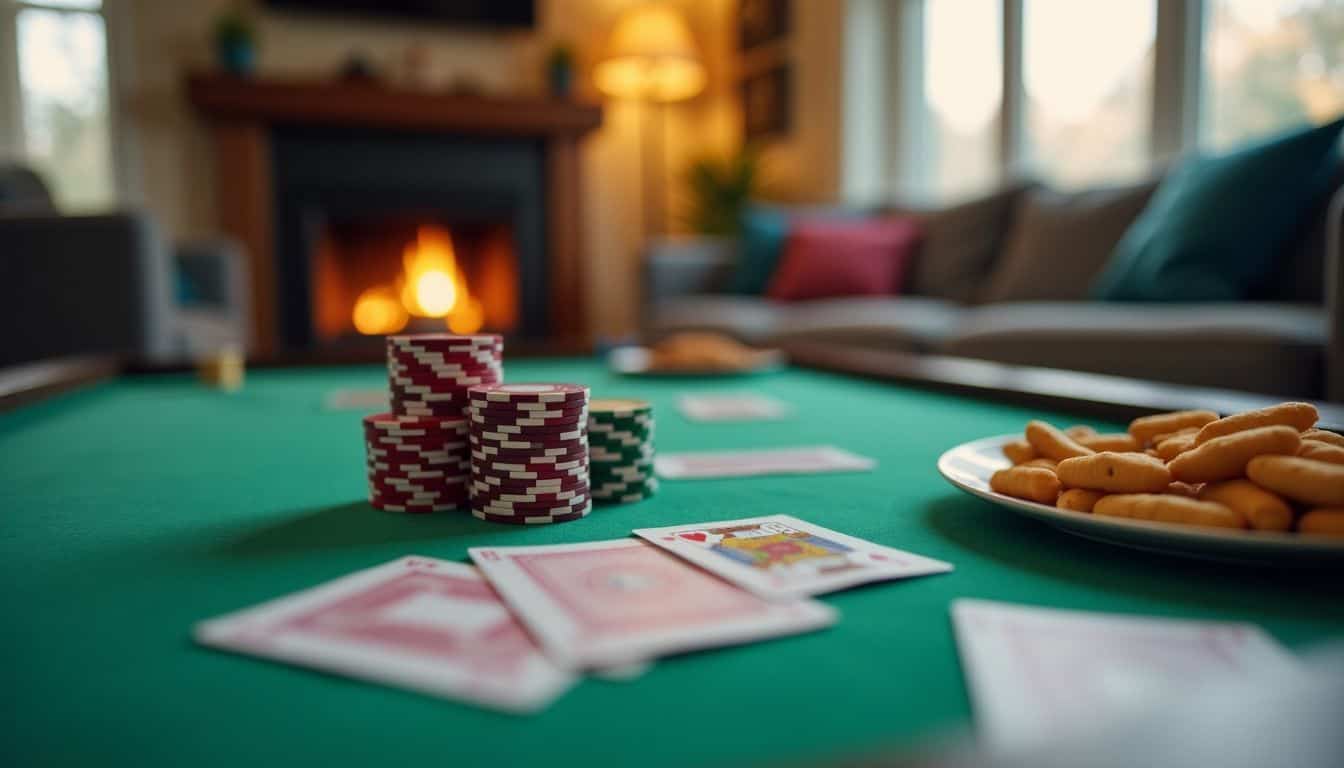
{"x": 143, "y": 504}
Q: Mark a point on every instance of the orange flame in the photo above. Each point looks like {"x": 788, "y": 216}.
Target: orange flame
{"x": 432, "y": 285}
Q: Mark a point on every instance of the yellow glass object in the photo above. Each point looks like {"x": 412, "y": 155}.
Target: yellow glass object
{"x": 651, "y": 55}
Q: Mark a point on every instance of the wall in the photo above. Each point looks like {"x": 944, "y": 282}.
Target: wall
{"x": 170, "y": 164}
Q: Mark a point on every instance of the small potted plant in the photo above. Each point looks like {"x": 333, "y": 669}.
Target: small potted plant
{"x": 721, "y": 188}
{"x": 236, "y": 43}
{"x": 560, "y": 70}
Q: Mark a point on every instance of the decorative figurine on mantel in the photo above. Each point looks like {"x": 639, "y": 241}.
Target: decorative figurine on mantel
{"x": 236, "y": 43}
{"x": 560, "y": 70}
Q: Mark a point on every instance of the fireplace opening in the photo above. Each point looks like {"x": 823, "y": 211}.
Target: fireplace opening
{"x": 406, "y": 273}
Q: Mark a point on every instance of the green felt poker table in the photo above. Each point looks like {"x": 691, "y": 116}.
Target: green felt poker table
{"x": 141, "y": 505}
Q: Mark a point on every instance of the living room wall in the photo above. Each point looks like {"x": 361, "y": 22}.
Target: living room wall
{"x": 171, "y": 164}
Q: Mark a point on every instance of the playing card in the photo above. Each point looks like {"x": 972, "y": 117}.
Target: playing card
{"x": 609, "y": 603}
{"x": 428, "y": 625}
{"x": 370, "y": 400}
{"x": 781, "y": 557}
{"x": 775, "y": 461}
{"x": 730, "y": 406}
{"x": 1037, "y": 674}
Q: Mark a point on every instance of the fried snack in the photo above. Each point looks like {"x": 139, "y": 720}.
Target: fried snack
{"x": 1175, "y": 445}
{"x": 1318, "y": 451}
{"x": 1078, "y": 499}
{"x": 1178, "y": 433}
{"x": 1299, "y": 416}
{"x": 1040, "y": 462}
{"x": 1052, "y": 443}
{"x": 1262, "y": 509}
{"x": 1225, "y": 458}
{"x": 1115, "y": 473}
{"x": 1323, "y": 522}
{"x": 1315, "y": 483}
{"x": 1168, "y": 509}
{"x": 1031, "y": 483}
{"x": 1079, "y": 431}
{"x": 695, "y": 350}
{"x": 1144, "y": 429}
{"x": 1188, "y": 490}
{"x": 1019, "y": 451}
{"x": 1122, "y": 442}
{"x": 1324, "y": 436}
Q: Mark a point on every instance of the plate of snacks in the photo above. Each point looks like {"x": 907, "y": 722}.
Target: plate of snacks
{"x": 1262, "y": 486}
{"x": 695, "y": 354}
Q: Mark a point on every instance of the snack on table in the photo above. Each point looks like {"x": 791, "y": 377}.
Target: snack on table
{"x": 1079, "y": 499}
{"x": 1314, "y": 483}
{"x": 1262, "y": 509}
{"x": 693, "y": 350}
{"x": 1323, "y": 522}
{"x": 1322, "y": 436}
{"x": 1033, "y": 483}
{"x": 1146, "y": 428}
{"x": 1120, "y": 441}
{"x": 1051, "y": 442}
{"x": 1168, "y": 448}
{"x": 1019, "y": 451}
{"x": 1299, "y": 416}
{"x": 1224, "y": 458}
{"x": 1115, "y": 473}
{"x": 1168, "y": 509}
{"x": 1319, "y": 451}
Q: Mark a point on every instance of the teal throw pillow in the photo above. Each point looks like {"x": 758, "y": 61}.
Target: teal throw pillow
{"x": 764, "y": 231}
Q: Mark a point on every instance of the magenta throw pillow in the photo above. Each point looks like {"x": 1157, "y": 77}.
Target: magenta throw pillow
{"x": 826, "y": 259}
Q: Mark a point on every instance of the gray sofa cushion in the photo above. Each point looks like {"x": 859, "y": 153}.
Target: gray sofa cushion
{"x": 961, "y": 244}
{"x": 1060, "y": 242}
{"x": 1270, "y": 348}
{"x": 908, "y": 323}
{"x": 748, "y": 318}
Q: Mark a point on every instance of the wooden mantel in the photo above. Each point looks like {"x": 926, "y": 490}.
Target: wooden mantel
{"x": 241, "y": 112}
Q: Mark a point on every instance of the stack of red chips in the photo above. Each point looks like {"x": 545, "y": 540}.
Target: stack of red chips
{"x": 417, "y": 455}
{"x": 529, "y": 453}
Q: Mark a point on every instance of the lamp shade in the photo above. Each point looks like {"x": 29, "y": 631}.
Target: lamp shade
{"x": 651, "y": 55}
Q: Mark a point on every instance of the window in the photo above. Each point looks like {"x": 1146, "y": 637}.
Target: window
{"x": 63, "y": 99}
{"x": 1087, "y": 71}
{"x": 1269, "y": 66}
{"x": 963, "y": 89}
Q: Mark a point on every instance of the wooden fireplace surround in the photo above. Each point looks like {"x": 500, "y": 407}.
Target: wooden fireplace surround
{"x": 241, "y": 111}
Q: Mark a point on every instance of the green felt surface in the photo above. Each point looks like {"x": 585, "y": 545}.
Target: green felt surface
{"x": 137, "y": 508}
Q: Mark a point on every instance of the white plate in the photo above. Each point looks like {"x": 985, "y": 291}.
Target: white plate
{"x": 636, "y": 361}
{"x": 969, "y": 465}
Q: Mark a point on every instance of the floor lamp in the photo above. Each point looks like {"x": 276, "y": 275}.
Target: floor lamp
{"x": 651, "y": 58}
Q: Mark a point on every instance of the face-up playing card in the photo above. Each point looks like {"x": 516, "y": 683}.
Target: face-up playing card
{"x": 608, "y": 603}
{"x": 1038, "y": 674}
{"x": 427, "y": 625}
{"x": 729, "y": 406}
{"x": 775, "y": 461}
{"x": 370, "y": 400}
{"x": 781, "y": 557}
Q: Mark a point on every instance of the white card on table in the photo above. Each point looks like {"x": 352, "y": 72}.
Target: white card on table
{"x": 773, "y": 461}
{"x": 1037, "y": 674}
{"x": 781, "y": 557}
{"x": 609, "y": 603}
{"x": 371, "y": 400}
{"x": 419, "y": 623}
{"x": 732, "y": 406}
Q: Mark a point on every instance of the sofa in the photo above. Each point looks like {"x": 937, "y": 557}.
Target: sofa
{"x": 109, "y": 284}
{"x": 1005, "y": 277}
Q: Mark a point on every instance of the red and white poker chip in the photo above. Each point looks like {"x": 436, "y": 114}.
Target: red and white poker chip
{"x": 530, "y": 393}
{"x": 531, "y": 519}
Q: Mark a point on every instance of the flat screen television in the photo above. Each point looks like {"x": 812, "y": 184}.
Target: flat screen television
{"x": 479, "y": 13}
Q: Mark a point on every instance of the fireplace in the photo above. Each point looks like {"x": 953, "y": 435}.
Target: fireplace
{"x": 366, "y": 209}
{"x": 384, "y": 232}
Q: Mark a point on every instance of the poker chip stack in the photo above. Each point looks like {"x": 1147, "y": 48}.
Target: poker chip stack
{"x": 529, "y": 452}
{"x": 620, "y": 450}
{"x": 417, "y": 455}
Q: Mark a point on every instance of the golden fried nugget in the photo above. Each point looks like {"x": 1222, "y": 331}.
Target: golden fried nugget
{"x": 1189, "y": 490}
{"x": 1175, "y": 445}
{"x": 1078, "y": 499}
{"x": 1168, "y": 509}
{"x": 1145, "y": 428}
{"x": 1299, "y": 416}
{"x": 1019, "y": 451}
{"x": 1031, "y": 483}
{"x": 1323, "y": 522}
{"x": 1315, "y": 483}
{"x": 1324, "y": 436}
{"x": 1168, "y": 435}
{"x": 1225, "y": 458}
{"x": 1122, "y": 442}
{"x": 1115, "y": 472}
{"x": 1040, "y": 462}
{"x": 1318, "y": 451}
{"x": 1079, "y": 431}
{"x": 1051, "y": 443}
{"x": 1262, "y": 509}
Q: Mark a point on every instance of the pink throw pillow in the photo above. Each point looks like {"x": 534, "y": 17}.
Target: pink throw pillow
{"x": 828, "y": 258}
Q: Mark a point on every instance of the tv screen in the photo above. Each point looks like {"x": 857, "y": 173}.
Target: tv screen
{"x": 482, "y": 13}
